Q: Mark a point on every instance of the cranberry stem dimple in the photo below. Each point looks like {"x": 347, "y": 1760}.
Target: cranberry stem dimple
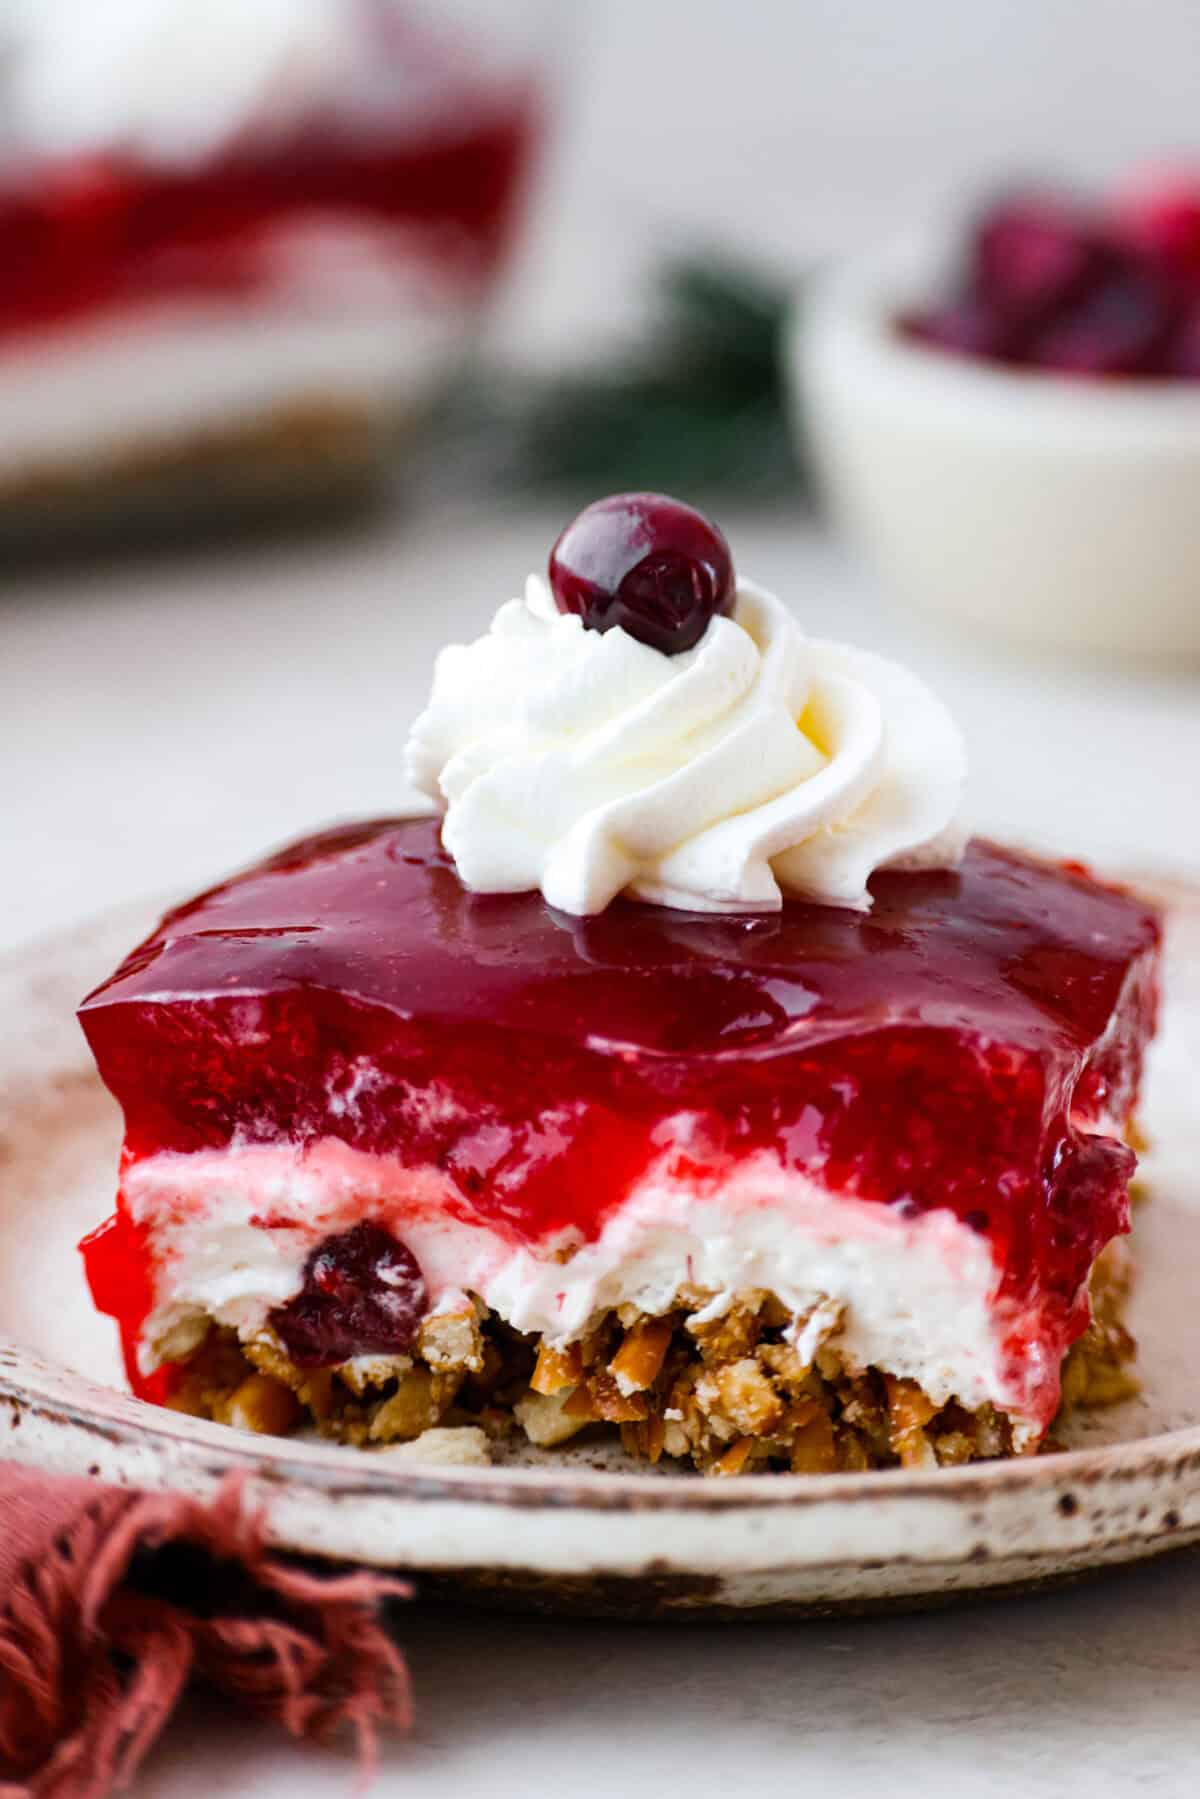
{"x": 647, "y": 564}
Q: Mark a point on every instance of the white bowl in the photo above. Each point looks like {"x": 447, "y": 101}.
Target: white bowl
{"x": 1047, "y": 509}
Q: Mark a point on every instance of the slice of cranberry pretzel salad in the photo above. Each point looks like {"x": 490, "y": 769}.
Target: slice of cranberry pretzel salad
{"x": 689, "y": 1074}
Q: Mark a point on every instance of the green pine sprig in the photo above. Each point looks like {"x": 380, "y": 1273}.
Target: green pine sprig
{"x": 699, "y": 408}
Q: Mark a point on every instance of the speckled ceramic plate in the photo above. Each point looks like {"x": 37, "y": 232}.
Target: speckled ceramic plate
{"x": 574, "y": 1530}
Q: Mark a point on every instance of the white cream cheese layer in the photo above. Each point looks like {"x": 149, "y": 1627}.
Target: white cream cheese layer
{"x": 758, "y": 763}
{"x": 231, "y": 1232}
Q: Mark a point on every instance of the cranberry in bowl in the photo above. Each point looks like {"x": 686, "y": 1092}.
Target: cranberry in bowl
{"x": 1007, "y": 417}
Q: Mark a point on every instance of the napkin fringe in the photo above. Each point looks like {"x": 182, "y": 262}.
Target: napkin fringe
{"x": 93, "y": 1659}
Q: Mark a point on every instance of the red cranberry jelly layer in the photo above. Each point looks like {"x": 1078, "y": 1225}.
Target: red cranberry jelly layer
{"x": 105, "y": 233}
{"x": 947, "y": 1050}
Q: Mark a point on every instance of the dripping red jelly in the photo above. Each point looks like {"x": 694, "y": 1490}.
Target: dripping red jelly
{"x": 973, "y": 1043}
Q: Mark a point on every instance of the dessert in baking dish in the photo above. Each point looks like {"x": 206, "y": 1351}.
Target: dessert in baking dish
{"x": 249, "y": 231}
{"x": 689, "y": 1074}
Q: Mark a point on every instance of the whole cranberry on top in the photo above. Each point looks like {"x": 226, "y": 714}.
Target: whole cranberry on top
{"x": 647, "y": 563}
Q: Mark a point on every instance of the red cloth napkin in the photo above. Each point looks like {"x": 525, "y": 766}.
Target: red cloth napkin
{"x": 110, "y": 1601}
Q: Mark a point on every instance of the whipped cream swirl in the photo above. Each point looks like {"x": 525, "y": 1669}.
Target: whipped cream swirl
{"x": 760, "y": 762}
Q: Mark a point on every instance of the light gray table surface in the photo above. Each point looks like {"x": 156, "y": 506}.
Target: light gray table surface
{"x": 1092, "y": 1691}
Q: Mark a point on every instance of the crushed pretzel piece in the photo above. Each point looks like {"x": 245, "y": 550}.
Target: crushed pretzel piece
{"x": 813, "y": 1445}
{"x": 601, "y": 1397}
{"x": 639, "y": 1360}
{"x": 731, "y": 1335}
{"x": 465, "y": 1446}
{"x": 452, "y": 1340}
{"x": 259, "y": 1404}
{"x": 557, "y": 1369}
{"x": 741, "y": 1394}
{"x": 420, "y": 1399}
{"x": 368, "y": 1372}
{"x": 646, "y": 1437}
{"x": 853, "y": 1457}
{"x": 545, "y": 1420}
{"x": 953, "y": 1447}
{"x": 734, "y": 1459}
{"x": 1097, "y": 1370}
{"x": 790, "y": 1371}
{"x": 909, "y": 1411}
